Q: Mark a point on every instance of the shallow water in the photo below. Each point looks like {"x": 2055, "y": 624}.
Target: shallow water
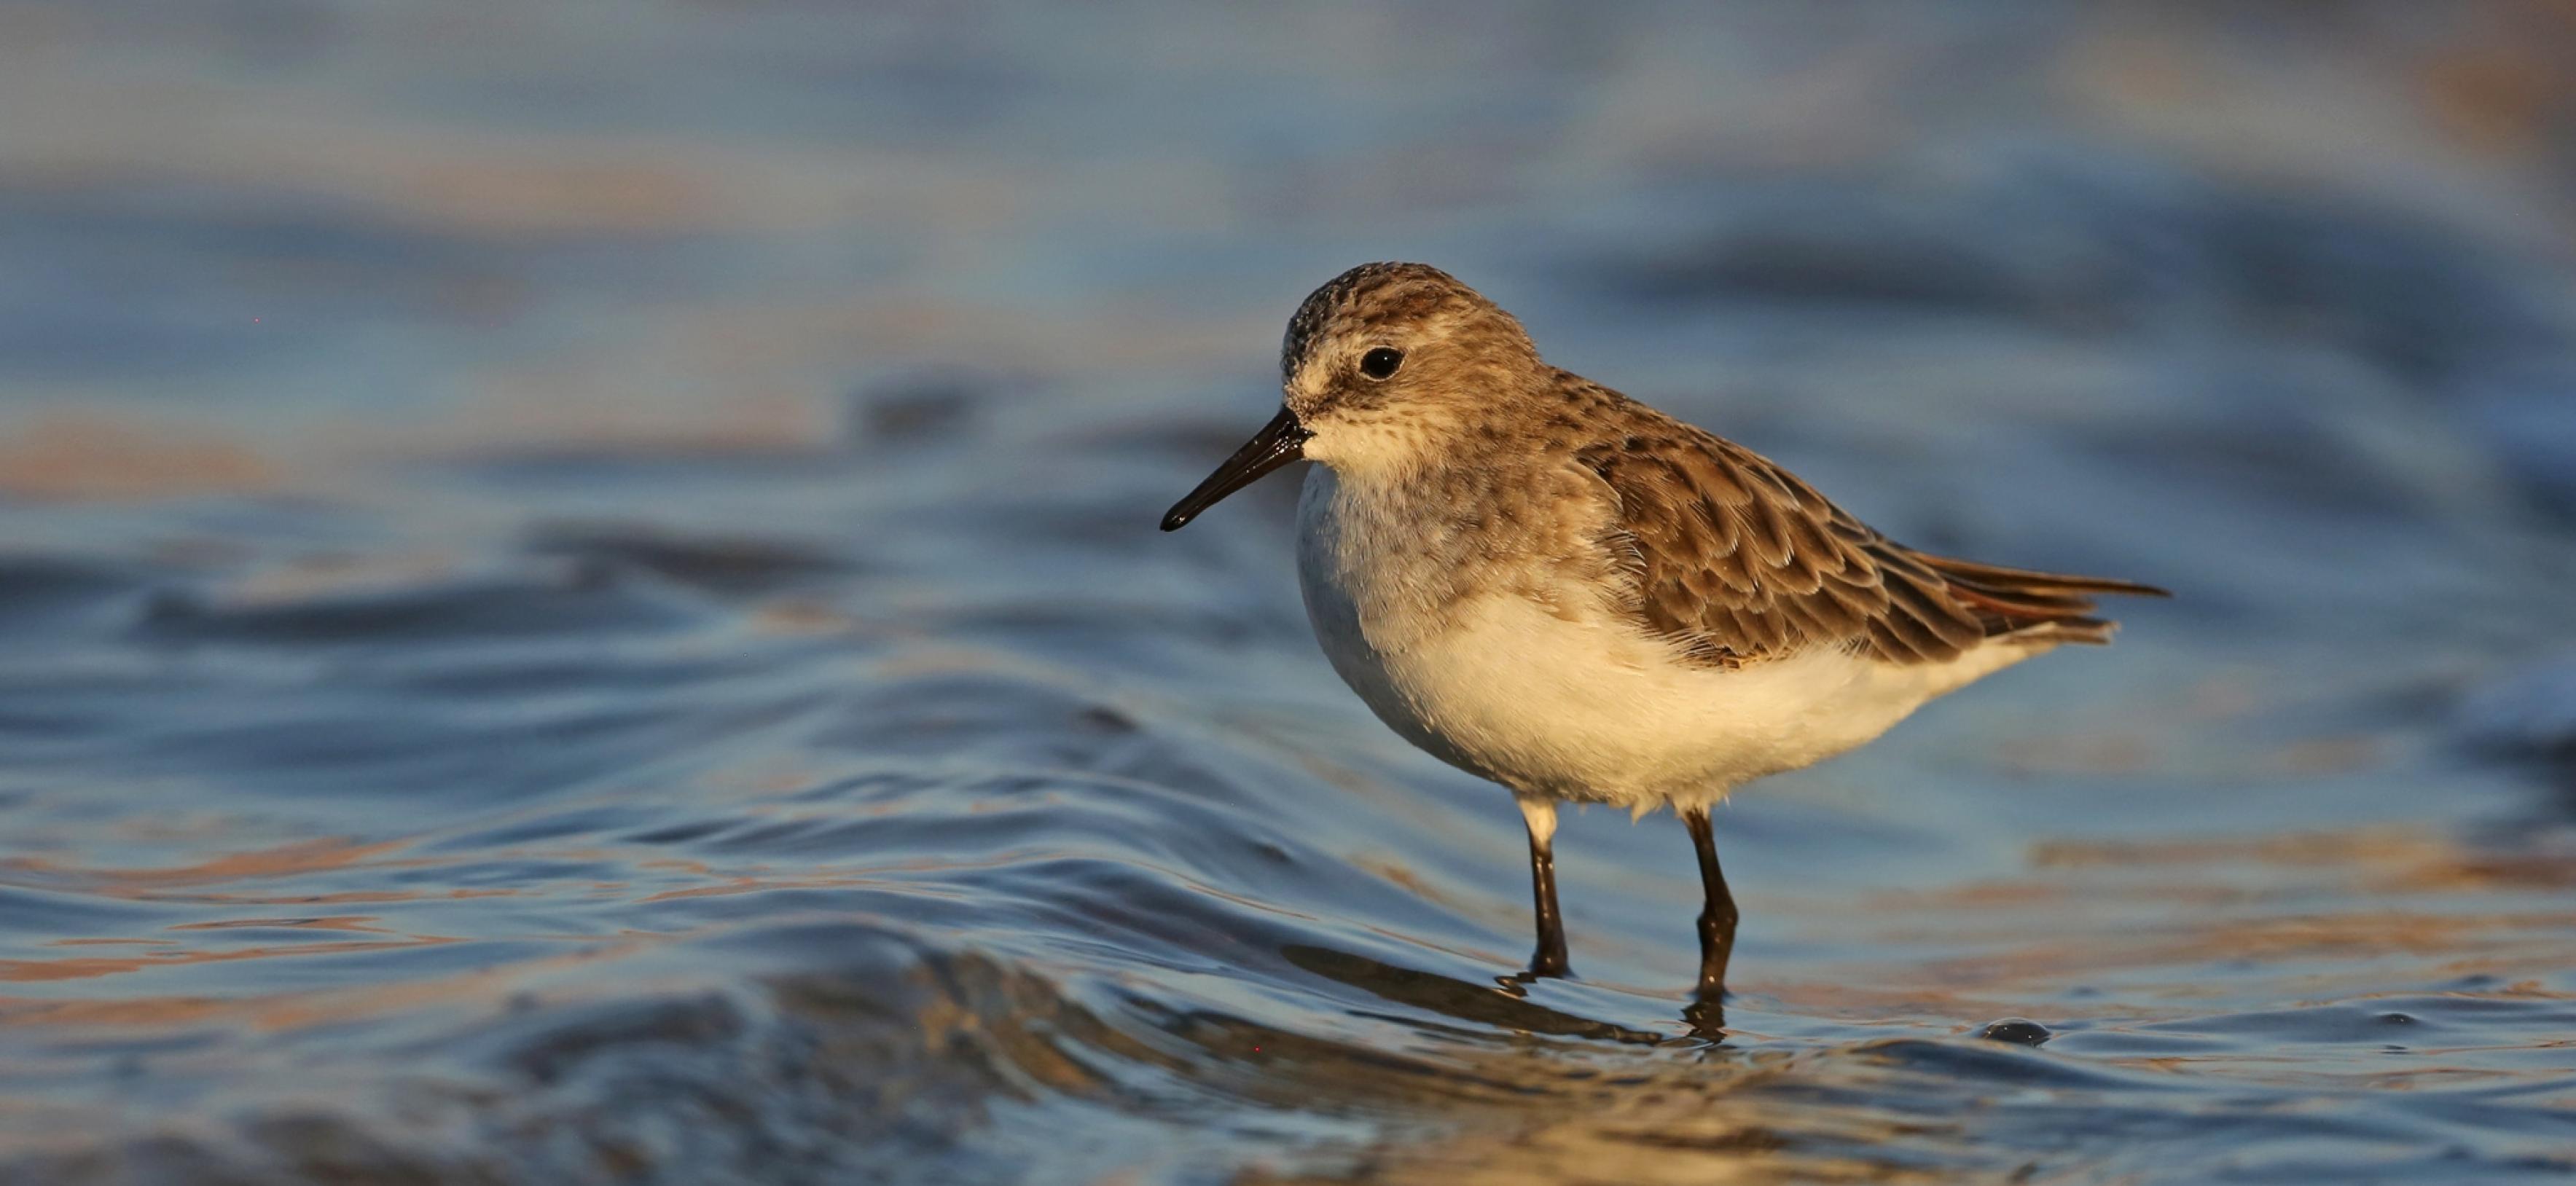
{"x": 580, "y": 600}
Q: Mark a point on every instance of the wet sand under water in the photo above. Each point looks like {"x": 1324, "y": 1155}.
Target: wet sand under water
{"x": 579, "y": 700}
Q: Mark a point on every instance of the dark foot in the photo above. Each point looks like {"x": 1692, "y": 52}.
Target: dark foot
{"x": 1549, "y": 960}
{"x": 1706, "y": 1018}
{"x": 1517, "y": 984}
{"x": 1716, "y": 947}
{"x": 1717, "y": 917}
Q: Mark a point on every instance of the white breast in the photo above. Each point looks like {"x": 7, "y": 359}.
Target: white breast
{"x": 1560, "y": 694}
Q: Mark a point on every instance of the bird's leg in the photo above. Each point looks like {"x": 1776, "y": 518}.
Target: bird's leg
{"x": 1549, "y": 959}
{"x": 1717, "y": 917}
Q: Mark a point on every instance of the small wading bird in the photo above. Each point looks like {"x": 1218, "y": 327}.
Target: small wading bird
{"x": 1555, "y": 587}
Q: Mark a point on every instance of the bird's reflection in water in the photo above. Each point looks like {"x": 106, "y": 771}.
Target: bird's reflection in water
{"x": 1505, "y": 1004}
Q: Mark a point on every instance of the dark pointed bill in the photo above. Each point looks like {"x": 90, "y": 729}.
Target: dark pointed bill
{"x": 1281, "y": 441}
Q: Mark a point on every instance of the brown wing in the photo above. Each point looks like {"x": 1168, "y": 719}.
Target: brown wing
{"x": 1739, "y": 560}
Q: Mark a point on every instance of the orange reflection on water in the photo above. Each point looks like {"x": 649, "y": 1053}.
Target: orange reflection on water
{"x": 95, "y": 966}
{"x": 285, "y": 860}
{"x": 482, "y": 989}
{"x": 89, "y": 455}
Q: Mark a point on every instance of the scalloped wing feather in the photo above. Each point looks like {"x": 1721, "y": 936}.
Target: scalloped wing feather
{"x": 1737, "y": 560}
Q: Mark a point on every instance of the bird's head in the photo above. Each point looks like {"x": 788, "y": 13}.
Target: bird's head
{"x": 1377, "y": 369}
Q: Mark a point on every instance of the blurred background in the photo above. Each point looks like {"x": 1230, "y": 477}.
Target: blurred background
{"x": 578, "y": 593}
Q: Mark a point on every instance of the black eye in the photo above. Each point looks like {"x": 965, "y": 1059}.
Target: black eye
{"x": 1381, "y": 362}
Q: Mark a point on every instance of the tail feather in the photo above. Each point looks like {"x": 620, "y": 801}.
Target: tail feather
{"x": 2038, "y": 606}
{"x": 2026, "y": 580}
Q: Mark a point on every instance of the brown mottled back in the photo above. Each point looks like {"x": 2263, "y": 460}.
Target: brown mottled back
{"x": 1739, "y": 560}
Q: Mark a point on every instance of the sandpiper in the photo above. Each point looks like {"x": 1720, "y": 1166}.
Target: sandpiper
{"x": 1557, "y": 588}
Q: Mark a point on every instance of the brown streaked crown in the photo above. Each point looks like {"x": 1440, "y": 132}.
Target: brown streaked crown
{"x": 1390, "y": 296}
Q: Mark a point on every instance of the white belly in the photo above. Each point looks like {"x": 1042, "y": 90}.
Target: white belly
{"x": 1569, "y": 699}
